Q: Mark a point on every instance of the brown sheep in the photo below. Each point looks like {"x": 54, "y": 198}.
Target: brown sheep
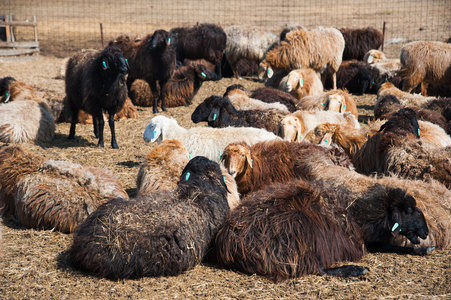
{"x": 271, "y": 95}
{"x": 129, "y": 111}
{"x": 255, "y": 167}
{"x": 241, "y": 101}
{"x": 378, "y": 60}
{"x": 405, "y": 98}
{"x": 425, "y": 63}
{"x": 432, "y": 197}
{"x": 301, "y": 83}
{"x": 294, "y": 127}
{"x": 334, "y": 100}
{"x": 319, "y": 49}
{"x": 359, "y": 40}
{"x": 52, "y": 194}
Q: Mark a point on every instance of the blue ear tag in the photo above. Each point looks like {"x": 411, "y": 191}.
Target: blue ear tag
{"x": 203, "y": 74}
{"x": 223, "y": 178}
{"x": 190, "y": 156}
{"x": 268, "y": 71}
{"x": 302, "y": 82}
{"x": 126, "y": 62}
{"x": 169, "y": 41}
{"x": 187, "y": 176}
{"x": 372, "y": 82}
{"x": 344, "y": 106}
{"x": 418, "y": 132}
{"x": 394, "y": 227}
{"x": 326, "y": 142}
{"x": 323, "y": 104}
{"x": 252, "y": 162}
{"x": 214, "y": 117}
{"x": 7, "y": 97}
{"x": 358, "y": 80}
{"x": 104, "y": 64}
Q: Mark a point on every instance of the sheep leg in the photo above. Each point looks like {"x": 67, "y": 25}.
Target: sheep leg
{"x": 424, "y": 88}
{"x": 387, "y": 248}
{"x": 153, "y": 88}
{"x": 95, "y": 123}
{"x": 163, "y": 102}
{"x": 98, "y": 118}
{"x": 346, "y": 271}
{"x": 113, "y": 133}
{"x": 74, "y": 120}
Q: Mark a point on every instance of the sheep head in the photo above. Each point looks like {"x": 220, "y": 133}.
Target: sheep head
{"x": 295, "y": 81}
{"x": 335, "y": 102}
{"x": 154, "y": 130}
{"x": 113, "y": 61}
{"x": 322, "y": 134}
{"x": 374, "y": 56}
{"x": 236, "y": 157}
{"x": 158, "y": 40}
{"x": 402, "y": 122}
{"x": 264, "y": 70}
{"x": 204, "y": 73}
{"x": 291, "y": 129}
{"x": 5, "y": 94}
{"x": 204, "y": 111}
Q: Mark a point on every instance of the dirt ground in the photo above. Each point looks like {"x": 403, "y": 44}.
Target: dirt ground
{"x": 35, "y": 263}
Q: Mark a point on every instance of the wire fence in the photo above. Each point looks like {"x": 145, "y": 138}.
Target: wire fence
{"x": 65, "y": 26}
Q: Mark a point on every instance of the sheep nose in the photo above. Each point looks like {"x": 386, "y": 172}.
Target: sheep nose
{"x": 232, "y": 173}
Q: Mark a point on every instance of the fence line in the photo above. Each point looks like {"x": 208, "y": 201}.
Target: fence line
{"x": 68, "y": 25}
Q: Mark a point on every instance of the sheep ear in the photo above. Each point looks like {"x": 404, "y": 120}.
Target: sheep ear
{"x": 104, "y": 63}
{"x": 249, "y": 159}
{"x": 214, "y": 114}
{"x": 269, "y": 72}
{"x": 327, "y": 139}
{"x": 301, "y": 82}
{"x": 299, "y": 132}
{"x": 395, "y": 223}
{"x": 370, "y": 59}
{"x": 152, "y": 133}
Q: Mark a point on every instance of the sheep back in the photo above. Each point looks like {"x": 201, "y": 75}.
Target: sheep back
{"x": 359, "y": 41}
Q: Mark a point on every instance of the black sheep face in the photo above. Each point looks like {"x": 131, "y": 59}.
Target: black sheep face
{"x": 5, "y": 83}
{"x": 405, "y": 218}
{"x": 160, "y": 40}
{"x": 113, "y": 61}
{"x": 205, "y": 74}
{"x": 404, "y": 119}
{"x": 203, "y": 110}
{"x": 365, "y": 82}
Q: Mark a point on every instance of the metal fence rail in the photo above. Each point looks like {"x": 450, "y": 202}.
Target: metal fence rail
{"x": 68, "y": 25}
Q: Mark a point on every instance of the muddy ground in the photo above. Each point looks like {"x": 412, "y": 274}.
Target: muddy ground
{"x": 35, "y": 264}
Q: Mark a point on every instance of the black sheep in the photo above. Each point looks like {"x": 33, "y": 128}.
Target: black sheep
{"x": 299, "y": 228}
{"x": 95, "y": 81}
{"x": 207, "y": 41}
{"x": 153, "y": 60}
{"x": 159, "y": 234}
{"x": 5, "y": 82}
{"x": 219, "y": 112}
{"x": 357, "y": 77}
{"x": 271, "y": 95}
{"x": 359, "y": 41}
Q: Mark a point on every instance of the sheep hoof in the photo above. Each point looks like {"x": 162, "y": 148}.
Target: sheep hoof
{"x": 163, "y": 108}
{"x": 422, "y": 250}
{"x": 101, "y": 144}
{"x": 114, "y": 146}
{"x": 155, "y": 110}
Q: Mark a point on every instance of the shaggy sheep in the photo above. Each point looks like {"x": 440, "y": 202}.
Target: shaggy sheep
{"x": 406, "y": 99}
{"x": 301, "y": 83}
{"x": 255, "y": 167}
{"x": 152, "y": 59}
{"x": 204, "y": 141}
{"x": 295, "y": 229}
{"x": 240, "y": 100}
{"x": 52, "y": 194}
{"x": 24, "y": 115}
{"x": 248, "y": 42}
{"x": 357, "y": 77}
{"x": 425, "y": 63}
{"x": 207, "y": 41}
{"x": 432, "y": 198}
{"x": 95, "y": 82}
{"x": 374, "y": 56}
{"x": 160, "y": 234}
{"x": 396, "y": 149}
{"x": 320, "y": 49}
{"x": 377, "y": 59}
{"x": 333, "y": 100}
{"x": 294, "y": 127}
{"x": 287, "y": 29}
{"x": 219, "y": 113}
{"x": 271, "y": 95}
{"x": 359, "y": 41}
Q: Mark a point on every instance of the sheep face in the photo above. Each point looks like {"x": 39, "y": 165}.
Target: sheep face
{"x": 405, "y": 218}
{"x": 295, "y": 81}
{"x": 5, "y": 95}
{"x": 264, "y": 71}
{"x": 114, "y": 61}
{"x": 236, "y": 158}
{"x": 204, "y": 110}
{"x": 336, "y": 103}
{"x": 322, "y": 134}
{"x": 373, "y": 56}
{"x": 205, "y": 74}
{"x": 202, "y": 169}
{"x": 290, "y": 129}
{"x": 159, "y": 40}
{"x": 154, "y": 130}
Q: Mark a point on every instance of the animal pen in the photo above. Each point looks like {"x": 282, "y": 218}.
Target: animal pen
{"x": 65, "y": 26}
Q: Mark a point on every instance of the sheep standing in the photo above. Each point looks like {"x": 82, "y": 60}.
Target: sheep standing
{"x": 320, "y": 49}
{"x": 359, "y": 41}
{"x": 425, "y": 63}
{"x": 24, "y": 115}
{"x": 95, "y": 81}
{"x": 152, "y": 59}
{"x": 52, "y": 194}
{"x": 160, "y": 234}
{"x": 204, "y": 141}
{"x": 247, "y": 42}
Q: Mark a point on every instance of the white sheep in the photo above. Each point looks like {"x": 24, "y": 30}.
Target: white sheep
{"x": 203, "y": 141}
{"x": 301, "y": 83}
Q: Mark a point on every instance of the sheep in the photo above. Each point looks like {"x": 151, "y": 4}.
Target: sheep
{"x": 350, "y": 139}
{"x": 385, "y": 66}
{"x": 357, "y": 77}
{"x": 271, "y": 95}
{"x": 333, "y": 100}
{"x": 204, "y": 141}
{"x": 294, "y": 127}
{"x": 374, "y": 56}
{"x": 405, "y": 98}
{"x": 95, "y": 81}
{"x": 13, "y": 90}
{"x": 396, "y": 150}
{"x": 5, "y": 83}
{"x": 425, "y": 63}
{"x": 287, "y": 29}
{"x": 160, "y": 234}
{"x": 243, "y": 67}
{"x": 249, "y": 42}
{"x": 219, "y": 113}
{"x": 287, "y": 231}
{"x": 128, "y": 111}
{"x": 255, "y": 167}
{"x": 359, "y": 41}
{"x": 152, "y": 59}
{"x": 49, "y": 194}
{"x": 240, "y": 100}
{"x": 432, "y": 198}
{"x": 301, "y": 83}
{"x": 320, "y": 49}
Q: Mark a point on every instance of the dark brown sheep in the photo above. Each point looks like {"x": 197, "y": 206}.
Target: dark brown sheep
{"x": 359, "y": 41}
{"x": 271, "y": 95}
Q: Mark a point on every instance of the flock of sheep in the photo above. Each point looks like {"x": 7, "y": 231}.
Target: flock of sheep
{"x": 280, "y": 183}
